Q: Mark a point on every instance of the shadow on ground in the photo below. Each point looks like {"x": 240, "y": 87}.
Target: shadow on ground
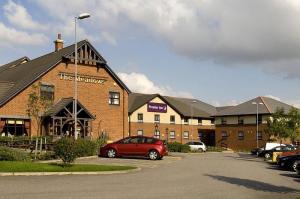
{"x": 253, "y": 184}
{"x": 246, "y": 157}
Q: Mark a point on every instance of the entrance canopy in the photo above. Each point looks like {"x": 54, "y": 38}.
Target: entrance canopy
{"x": 61, "y": 117}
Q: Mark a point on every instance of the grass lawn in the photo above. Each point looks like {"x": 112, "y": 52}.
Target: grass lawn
{"x": 8, "y": 166}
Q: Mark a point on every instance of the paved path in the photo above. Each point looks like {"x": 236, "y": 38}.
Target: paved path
{"x": 209, "y": 175}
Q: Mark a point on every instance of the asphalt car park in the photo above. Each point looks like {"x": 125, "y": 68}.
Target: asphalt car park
{"x": 196, "y": 175}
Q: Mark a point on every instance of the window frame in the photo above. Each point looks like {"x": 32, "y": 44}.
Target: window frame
{"x": 172, "y": 122}
{"x": 184, "y": 135}
{"x": 155, "y": 117}
{"x": 140, "y": 120}
{"x": 223, "y": 120}
{"x": 47, "y": 92}
{"x": 259, "y": 135}
{"x": 241, "y": 137}
{"x": 111, "y": 98}
{"x": 171, "y": 136}
{"x": 157, "y": 134}
{"x": 138, "y": 132}
{"x": 224, "y": 135}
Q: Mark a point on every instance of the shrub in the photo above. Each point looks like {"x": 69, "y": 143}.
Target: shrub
{"x": 9, "y": 154}
{"x": 49, "y": 155}
{"x": 178, "y": 147}
{"x": 85, "y": 147}
{"x": 215, "y": 149}
{"x": 65, "y": 149}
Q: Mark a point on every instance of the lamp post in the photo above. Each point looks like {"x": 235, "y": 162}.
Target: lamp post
{"x": 257, "y": 103}
{"x": 192, "y": 113}
{"x": 80, "y": 17}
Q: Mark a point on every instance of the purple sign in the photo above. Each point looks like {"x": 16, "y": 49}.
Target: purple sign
{"x": 157, "y": 107}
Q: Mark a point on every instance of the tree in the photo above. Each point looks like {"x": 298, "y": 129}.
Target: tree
{"x": 293, "y": 124}
{"x": 277, "y": 125}
{"x": 37, "y": 105}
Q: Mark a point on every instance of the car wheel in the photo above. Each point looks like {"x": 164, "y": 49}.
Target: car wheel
{"x": 200, "y": 150}
{"x": 267, "y": 155}
{"x": 294, "y": 165}
{"x": 153, "y": 155}
{"x": 111, "y": 153}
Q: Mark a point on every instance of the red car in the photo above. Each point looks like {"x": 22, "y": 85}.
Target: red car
{"x": 135, "y": 146}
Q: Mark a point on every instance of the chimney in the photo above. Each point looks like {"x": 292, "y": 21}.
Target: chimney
{"x": 58, "y": 43}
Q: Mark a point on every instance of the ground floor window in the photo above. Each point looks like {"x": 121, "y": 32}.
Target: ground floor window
{"x": 241, "y": 135}
{"x": 157, "y": 134}
{"x": 259, "y": 135}
{"x": 186, "y": 135}
{"x": 224, "y": 135}
{"x": 15, "y": 127}
{"x": 172, "y": 135}
{"x": 140, "y": 132}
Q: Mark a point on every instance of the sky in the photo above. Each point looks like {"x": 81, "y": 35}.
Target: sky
{"x": 222, "y": 52}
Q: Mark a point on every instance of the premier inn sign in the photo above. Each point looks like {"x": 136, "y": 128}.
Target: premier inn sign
{"x": 82, "y": 78}
{"x": 156, "y": 107}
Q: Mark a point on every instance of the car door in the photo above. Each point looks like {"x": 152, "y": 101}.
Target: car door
{"x": 135, "y": 146}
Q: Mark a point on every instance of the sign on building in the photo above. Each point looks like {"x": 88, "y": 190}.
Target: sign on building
{"x": 156, "y": 107}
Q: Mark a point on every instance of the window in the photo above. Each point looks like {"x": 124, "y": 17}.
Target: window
{"x": 186, "y": 120}
{"x": 259, "y": 119}
{"x": 47, "y": 92}
{"x": 240, "y": 120}
{"x": 259, "y": 135}
{"x": 172, "y": 119}
{"x": 156, "y": 118}
{"x": 172, "y": 135}
{"x": 186, "y": 135}
{"x": 199, "y": 121}
{"x": 157, "y": 134}
{"x": 140, "y": 117}
{"x": 223, "y": 121}
{"x": 140, "y": 132}
{"x": 224, "y": 135}
{"x": 114, "y": 98}
{"x": 241, "y": 135}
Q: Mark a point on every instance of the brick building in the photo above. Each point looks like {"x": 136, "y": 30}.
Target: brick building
{"x": 102, "y": 97}
{"x": 171, "y": 118}
{"x": 236, "y": 126}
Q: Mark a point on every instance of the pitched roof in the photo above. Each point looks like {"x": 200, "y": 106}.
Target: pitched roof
{"x": 64, "y": 102}
{"x": 22, "y": 75}
{"x": 14, "y": 63}
{"x": 184, "y": 106}
{"x": 268, "y": 106}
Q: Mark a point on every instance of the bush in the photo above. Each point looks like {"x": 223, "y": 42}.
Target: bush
{"x": 178, "y": 147}
{"x": 9, "y": 154}
{"x": 49, "y": 155}
{"x": 214, "y": 149}
{"x": 65, "y": 149}
{"x": 85, "y": 147}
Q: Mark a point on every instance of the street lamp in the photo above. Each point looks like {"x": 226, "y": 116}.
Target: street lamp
{"x": 192, "y": 113}
{"x": 257, "y": 103}
{"x": 81, "y": 16}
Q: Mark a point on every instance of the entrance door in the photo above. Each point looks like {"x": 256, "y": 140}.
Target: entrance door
{"x": 207, "y": 137}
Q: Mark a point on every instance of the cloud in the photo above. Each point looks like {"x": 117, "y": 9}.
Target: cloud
{"x": 140, "y": 83}
{"x": 18, "y": 16}
{"x": 10, "y": 36}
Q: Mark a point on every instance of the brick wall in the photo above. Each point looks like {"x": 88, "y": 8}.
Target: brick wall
{"x": 109, "y": 118}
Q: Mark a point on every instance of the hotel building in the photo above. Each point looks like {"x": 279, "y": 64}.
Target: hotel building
{"x": 102, "y": 97}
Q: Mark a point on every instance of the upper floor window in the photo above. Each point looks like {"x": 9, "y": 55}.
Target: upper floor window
{"x": 223, "y": 120}
{"x": 240, "y": 120}
{"x": 114, "y": 98}
{"x": 172, "y": 119}
{"x": 186, "y": 120}
{"x": 259, "y": 119}
{"x": 156, "y": 118}
{"x": 199, "y": 121}
{"x": 47, "y": 92}
{"x": 140, "y": 117}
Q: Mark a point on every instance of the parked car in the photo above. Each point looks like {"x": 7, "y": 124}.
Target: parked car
{"x": 294, "y": 152}
{"x": 256, "y": 151}
{"x": 289, "y": 162}
{"x": 197, "y": 146}
{"x": 283, "y": 148}
{"x": 298, "y": 168}
{"x": 135, "y": 146}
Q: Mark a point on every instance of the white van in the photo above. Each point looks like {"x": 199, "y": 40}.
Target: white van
{"x": 271, "y": 145}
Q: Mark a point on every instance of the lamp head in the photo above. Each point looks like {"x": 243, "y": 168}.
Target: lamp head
{"x": 83, "y": 15}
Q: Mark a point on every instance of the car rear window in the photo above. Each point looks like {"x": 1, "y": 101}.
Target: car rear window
{"x": 151, "y": 140}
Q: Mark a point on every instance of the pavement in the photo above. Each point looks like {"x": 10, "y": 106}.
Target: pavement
{"x": 205, "y": 175}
